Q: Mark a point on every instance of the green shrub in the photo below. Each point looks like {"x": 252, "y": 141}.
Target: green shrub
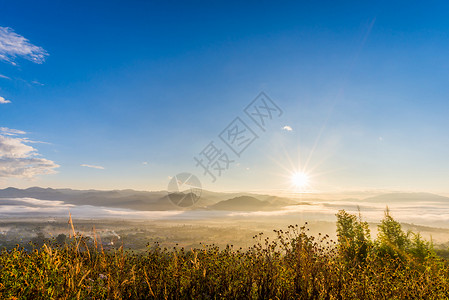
{"x": 294, "y": 265}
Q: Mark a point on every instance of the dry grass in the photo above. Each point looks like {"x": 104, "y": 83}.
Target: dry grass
{"x": 293, "y": 266}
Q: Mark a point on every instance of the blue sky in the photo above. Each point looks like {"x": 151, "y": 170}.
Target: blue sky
{"x": 138, "y": 88}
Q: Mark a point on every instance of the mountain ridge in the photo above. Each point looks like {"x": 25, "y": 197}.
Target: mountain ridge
{"x": 137, "y": 200}
{"x": 159, "y": 201}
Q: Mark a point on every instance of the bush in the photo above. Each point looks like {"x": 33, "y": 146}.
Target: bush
{"x": 292, "y": 266}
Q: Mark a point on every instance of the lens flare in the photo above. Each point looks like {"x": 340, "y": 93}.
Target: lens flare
{"x": 300, "y": 180}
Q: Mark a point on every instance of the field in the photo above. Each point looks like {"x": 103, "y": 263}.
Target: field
{"x": 283, "y": 264}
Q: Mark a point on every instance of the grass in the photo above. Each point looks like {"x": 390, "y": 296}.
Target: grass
{"x": 294, "y": 265}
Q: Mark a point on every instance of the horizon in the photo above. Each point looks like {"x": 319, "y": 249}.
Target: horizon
{"x": 420, "y": 209}
{"x": 333, "y": 99}
{"x": 224, "y": 149}
{"x": 329, "y": 195}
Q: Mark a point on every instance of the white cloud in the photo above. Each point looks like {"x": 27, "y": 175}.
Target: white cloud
{"x": 35, "y": 82}
{"x": 9, "y": 131}
{"x": 4, "y": 77}
{"x": 12, "y": 147}
{"x": 145, "y": 163}
{"x": 4, "y": 101}
{"x": 287, "y": 128}
{"x": 19, "y": 160}
{"x": 92, "y": 166}
{"x": 13, "y": 45}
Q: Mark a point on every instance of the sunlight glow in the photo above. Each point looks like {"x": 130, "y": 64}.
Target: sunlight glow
{"x": 300, "y": 180}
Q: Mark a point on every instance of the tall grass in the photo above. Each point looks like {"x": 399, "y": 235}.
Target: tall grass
{"x": 294, "y": 265}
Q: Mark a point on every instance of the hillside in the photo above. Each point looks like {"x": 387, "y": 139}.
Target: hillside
{"x": 407, "y": 198}
{"x": 243, "y": 203}
{"x": 144, "y": 200}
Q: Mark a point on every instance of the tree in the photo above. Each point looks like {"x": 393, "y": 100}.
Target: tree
{"x": 354, "y": 238}
{"x": 391, "y": 240}
{"x": 60, "y": 239}
{"x": 420, "y": 248}
{"x": 39, "y": 240}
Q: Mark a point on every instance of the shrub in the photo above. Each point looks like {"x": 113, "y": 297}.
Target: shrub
{"x": 294, "y": 265}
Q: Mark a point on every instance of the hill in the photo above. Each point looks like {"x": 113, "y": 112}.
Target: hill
{"x": 243, "y": 203}
{"x": 407, "y": 198}
{"x": 144, "y": 200}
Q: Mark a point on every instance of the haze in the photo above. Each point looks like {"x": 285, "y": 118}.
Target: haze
{"x": 281, "y": 113}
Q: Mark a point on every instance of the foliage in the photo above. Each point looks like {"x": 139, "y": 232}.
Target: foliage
{"x": 354, "y": 237}
{"x": 391, "y": 240}
{"x": 294, "y": 265}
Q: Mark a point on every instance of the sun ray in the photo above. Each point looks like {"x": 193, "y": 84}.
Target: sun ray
{"x": 300, "y": 180}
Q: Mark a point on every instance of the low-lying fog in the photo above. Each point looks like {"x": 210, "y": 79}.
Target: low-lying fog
{"x": 435, "y": 214}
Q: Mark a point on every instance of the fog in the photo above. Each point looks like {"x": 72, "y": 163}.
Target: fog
{"x": 435, "y": 214}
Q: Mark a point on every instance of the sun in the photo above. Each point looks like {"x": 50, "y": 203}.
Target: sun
{"x": 300, "y": 180}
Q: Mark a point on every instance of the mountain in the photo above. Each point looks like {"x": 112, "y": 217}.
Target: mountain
{"x": 34, "y": 192}
{"x": 407, "y": 198}
{"x": 144, "y": 200}
{"x": 278, "y": 201}
{"x": 130, "y": 199}
{"x": 243, "y": 203}
{"x": 159, "y": 201}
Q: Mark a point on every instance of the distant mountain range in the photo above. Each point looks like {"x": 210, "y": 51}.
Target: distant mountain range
{"x": 158, "y": 200}
{"x": 243, "y": 203}
{"x": 147, "y": 201}
{"x": 408, "y": 197}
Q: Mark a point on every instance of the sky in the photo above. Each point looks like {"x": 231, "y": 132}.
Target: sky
{"x": 126, "y": 94}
